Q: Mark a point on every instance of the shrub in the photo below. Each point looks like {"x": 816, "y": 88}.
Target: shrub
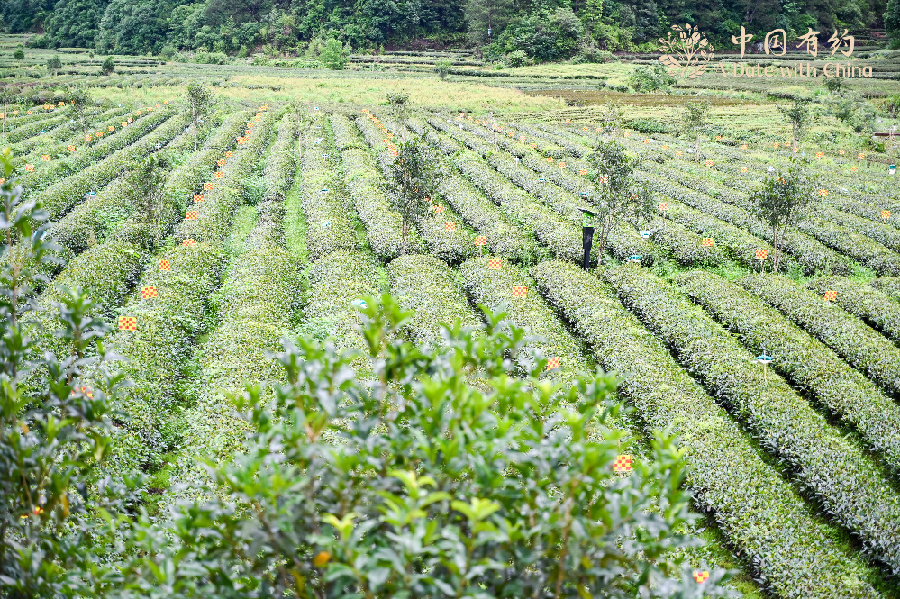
{"x": 54, "y": 64}
{"x": 334, "y": 55}
{"x": 442, "y": 67}
{"x": 109, "y": 66}
{"x": 19, "y": 54}
{"x": 648, "y": 126}
{"x": 516, "y": 58}
{"x": 347, "y": 514}
{"x": 589, "y": 53}
{"x": 648, "y": 79}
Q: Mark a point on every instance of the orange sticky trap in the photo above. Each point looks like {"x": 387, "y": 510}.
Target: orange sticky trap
{"x": 762, "y": 254}
{"x": 819, "y": 155}
{"x": 709, "y": 163}
{"x": 520, "y": 290}
{"x": 71, "y": 148}
{"x": 495, "y": 263}
{"x": 149, "y": 292}
{"x": 229, "y": 154}
{"x": 220, "y": 162}
{"x": 451, "y": 226}
{"x": 198, "y": 197}
{"x": 830, "y": 296}
{"x": 744, "y": 169}
{"x": 664, "y": 206}
{"x": 127, "y": 323}
{"x": 708, "y": 242}
{"x": 552, "y": 363}
{"x": 165, "y": 264}
{"x": 700, "y": 577}
{"x": 823, "y": 192}
{"x": 191, "y": 215}
{"x": 480, "y": 240}
{"x": 622, "y": 464}
{"x": 885, "y": 214}
{"x": 189, "y": 242}
{"x": 218, "y": 174}
{"x": 207, "y": 186}
{"x": 439, "y": 208}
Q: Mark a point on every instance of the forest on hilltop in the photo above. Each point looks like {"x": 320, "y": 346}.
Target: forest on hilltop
{"x": 541, "y": 29}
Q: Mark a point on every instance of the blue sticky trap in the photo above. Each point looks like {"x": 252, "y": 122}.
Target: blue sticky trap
{"x": 324, "y": 155}
{"x": 645, "y": 234}
{"x": 635, "y": 258}
{"x": 763, "y": 358}
{"x": 358, "y": 303}
{"x": 324, "y": 190}
{"x": 583, "y": 193}
{"x": 92, "y": 193}
{"x": 316, "y": 108}
{"x": 542, "y": 179}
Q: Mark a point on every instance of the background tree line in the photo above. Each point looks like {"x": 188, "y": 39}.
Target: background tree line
{"x": 539, "y": 29}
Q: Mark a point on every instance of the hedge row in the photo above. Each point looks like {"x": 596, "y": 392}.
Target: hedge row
{"x": 328, "y": 226}
{"x": 335, "y": 281}
{"x": 791, "y": 550}
{"x": 383, "y": 224}
{"x": 812, "y": 255}
{"x": 734, "y": 243}
{"x": 889, "y": 285}
{"x": 624, "y": 241}
{"x": 685, "y": 246}
{"x": 873, "y": 306}
{"x": 854, "y": 245}
{"x": 281, "y": 164}
{"x": 345, "y": 133}
{"x": 215, "y": 213}
{"x": 425, "y": 286}
{"x": 859, "y": 344}
{"x": 60, "y": 197}
{"x": 47, "y": 173}
{"x": 822, "y": 460}
{"x": 256, "y": 305}
{"x": 105, "y": 212}
{"x": 454, "y": 245}
{"x": 494, "y": 289}
{"x": 881, "y": 232}
{"x": 802, "y": 359}
{"x": 158, "y": 351}
{"x": 56, "y": 142}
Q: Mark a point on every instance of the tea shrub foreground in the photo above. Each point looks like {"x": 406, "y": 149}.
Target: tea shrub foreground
{"x": 438, "y": 475}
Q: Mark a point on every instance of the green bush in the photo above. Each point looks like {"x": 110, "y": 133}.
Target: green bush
{"x": 429, "y": 489}
{"x": 644, "y": 79}
{"x": 109, "y": 65}
{"x": 648, "y": 126}
{"x": 516, "y": 59}
{"x": 19, "y": 54}
{"x": 334, "y": 55}
{"x": 442, "y": 67}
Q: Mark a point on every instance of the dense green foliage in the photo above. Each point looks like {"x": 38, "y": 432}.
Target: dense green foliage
{"x": 557, "y": 29}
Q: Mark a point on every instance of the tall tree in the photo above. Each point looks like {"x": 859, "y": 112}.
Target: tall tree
{"x": 693, "y": 120}
{"x": 200, "y": 100}
{"x": 892, "y": 22}
{"x": 782, "y": 201}
{"x": 413, "y": 174}
{"x": 618, "y": 196}
{"x": 485, "y": 15}
{"x": 799, "y": 115}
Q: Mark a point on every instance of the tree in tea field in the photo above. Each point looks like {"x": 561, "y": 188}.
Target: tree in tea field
{"x": 435, "y": 474}
{"x": 200, "y": 99}
{"x": 782, "y": 201}
{"x": 610, "y": 117}
{"x": 58, "y": 518}
{"x": 54, "y": 64}
{"x": 334, "y": 55}
{"x": 109, "y": 65}
{"x": 618, "y": 195}
{"x": 413, "y": 175}
{"x": 81, "y": 101}
{"x": 146, "y": 189}
{"x": 799, "y": 115}
{"x": 442, "y": 67}
{"x": 693, "y": 120}
{"x": 19, "y": 54}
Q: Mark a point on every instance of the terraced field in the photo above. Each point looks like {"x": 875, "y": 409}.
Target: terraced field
{"x": 282, "y": 218}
